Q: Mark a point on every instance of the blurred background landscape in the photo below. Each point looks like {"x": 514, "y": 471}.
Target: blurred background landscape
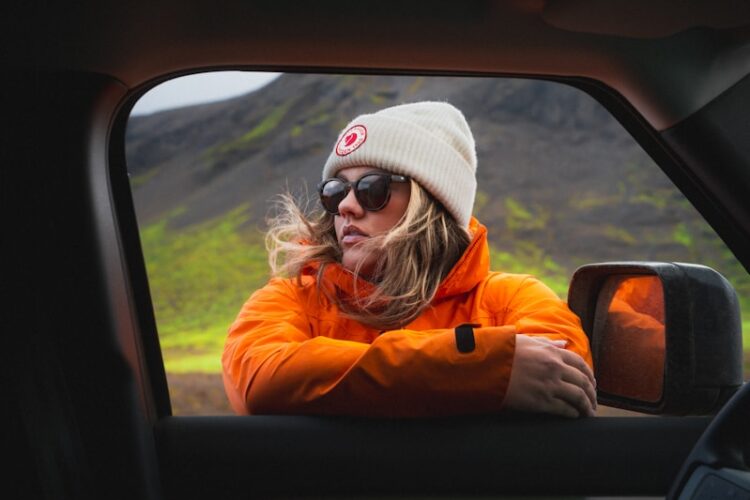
{"x": 561, "y": 184}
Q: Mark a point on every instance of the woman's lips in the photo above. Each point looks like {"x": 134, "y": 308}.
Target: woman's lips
{"x": 352, "y": 234}
{"x": 351, "y": 239}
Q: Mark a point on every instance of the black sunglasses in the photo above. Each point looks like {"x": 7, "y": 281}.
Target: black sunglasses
{"x": 372, "y": 191}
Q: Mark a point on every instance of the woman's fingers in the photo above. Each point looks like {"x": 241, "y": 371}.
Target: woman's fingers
{"x": 579, "y": 369}
{"x": 581, "y": 388}
{"x": 564, "y": 408}
{"x": 577, "y": 397}
{"x": 577, "y": 361}
{"x": 546, "y": 378}
{"x": 575, "y": 377}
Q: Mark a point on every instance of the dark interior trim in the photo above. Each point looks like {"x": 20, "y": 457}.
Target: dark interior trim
{"x": 715, "y": 148}
{"x": 284, "y": 456}
{"x": 150, "y": 357}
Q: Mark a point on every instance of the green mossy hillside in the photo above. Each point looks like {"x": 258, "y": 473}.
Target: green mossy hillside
{"x": 198, "y": 278}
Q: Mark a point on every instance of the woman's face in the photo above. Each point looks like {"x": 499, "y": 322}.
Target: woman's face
{"x": 355, "y": 225}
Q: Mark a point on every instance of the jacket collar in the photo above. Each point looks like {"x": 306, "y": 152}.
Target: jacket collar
{"x": 472, "y": 267}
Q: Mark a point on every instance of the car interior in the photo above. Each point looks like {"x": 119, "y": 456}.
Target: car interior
{"x": 87, "y": 401}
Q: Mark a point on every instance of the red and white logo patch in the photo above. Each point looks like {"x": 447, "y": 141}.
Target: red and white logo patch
{"x": 351, "y": 140}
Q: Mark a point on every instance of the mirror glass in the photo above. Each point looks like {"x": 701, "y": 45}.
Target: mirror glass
{"x": 629, "y": 338}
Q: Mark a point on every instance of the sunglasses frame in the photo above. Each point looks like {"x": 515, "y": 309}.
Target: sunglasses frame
{"x": 349, "y": 184}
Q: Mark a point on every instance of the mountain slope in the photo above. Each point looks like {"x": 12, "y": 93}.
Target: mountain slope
{"x": 554, "y": 170}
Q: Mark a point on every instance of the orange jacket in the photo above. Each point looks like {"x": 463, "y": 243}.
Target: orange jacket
{"x": 290, "y": 351}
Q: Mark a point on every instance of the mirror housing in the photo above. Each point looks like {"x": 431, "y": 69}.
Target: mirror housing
{"x": 700, "y": 342}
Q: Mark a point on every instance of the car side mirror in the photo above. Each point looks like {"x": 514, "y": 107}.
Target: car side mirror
{"x": 666, "y": 338}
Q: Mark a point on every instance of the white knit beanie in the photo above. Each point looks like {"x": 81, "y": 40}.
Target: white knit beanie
{"x": 428, "y": 141}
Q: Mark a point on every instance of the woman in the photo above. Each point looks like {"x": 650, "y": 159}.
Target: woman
{"x": 388, "y": 307}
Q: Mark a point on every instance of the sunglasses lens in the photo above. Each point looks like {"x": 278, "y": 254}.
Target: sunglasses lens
{"x": 372, "y": 191}
{"x": 331, "y": 194}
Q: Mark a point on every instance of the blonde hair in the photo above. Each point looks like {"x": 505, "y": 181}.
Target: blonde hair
{"x": 414, "y": 256}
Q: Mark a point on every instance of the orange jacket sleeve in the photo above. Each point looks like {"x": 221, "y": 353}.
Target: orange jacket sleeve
{"x": 273, "y": 364}
{"x": 534, "y": 309}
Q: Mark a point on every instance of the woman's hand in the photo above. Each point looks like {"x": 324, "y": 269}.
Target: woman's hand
{"x": 547, "y": 378}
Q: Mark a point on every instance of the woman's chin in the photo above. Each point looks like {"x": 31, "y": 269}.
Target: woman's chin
{"x": 351, "y": 260}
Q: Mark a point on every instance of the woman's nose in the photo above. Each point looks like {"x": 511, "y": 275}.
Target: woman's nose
{"x": 350, "y": 206}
